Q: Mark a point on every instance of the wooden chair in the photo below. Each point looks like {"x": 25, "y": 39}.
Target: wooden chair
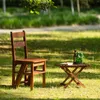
{"x": 18, "y": 40}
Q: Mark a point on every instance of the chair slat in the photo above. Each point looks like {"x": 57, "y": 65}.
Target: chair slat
{"x": 19, "y": 44}
{"x": 18, "y": 34}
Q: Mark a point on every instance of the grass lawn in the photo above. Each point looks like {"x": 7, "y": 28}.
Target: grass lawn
{"x": 57, "y": 47}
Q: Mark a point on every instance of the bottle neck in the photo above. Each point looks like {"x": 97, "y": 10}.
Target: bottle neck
{"x": 74, "y": 57}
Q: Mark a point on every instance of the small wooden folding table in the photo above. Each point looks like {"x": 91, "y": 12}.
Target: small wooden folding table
{"x": 72, "y": 71}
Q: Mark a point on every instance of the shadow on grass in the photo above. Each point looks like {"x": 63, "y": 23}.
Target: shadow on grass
{"x": 89, "y": 44}
{"x": 5, "y": 61}
{"x": 7, "y": 96}
{"x": 22, "y": 98}
{"x": 66, "y": 47}
{"x": 63, "y": 47}
{"x": 5, "y": 87}
{"x": 46, "y": 99}
{"x": 82, "y": 75}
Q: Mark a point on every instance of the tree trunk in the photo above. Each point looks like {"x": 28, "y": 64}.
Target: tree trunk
{"x": 72, "y": 7}
{"x": 78, "y": 7}
{"x": 61, "y": 3}
{"x": 4, "y": 6}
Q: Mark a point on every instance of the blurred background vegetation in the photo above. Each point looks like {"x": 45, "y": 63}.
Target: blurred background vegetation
{"x": 84, "y": 3}
{"x": 41, "y": 13}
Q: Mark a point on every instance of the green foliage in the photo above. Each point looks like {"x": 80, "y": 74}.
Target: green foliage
{"x": 88, "y": 20}
{"x": 20, "y": 18}
{"x": 35, "y": 6}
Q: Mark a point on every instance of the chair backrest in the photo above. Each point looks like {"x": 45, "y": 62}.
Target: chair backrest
{"x": 18, "y": 40}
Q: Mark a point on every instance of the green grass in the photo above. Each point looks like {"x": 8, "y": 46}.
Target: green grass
{"x": 21, "y": 18}
{"x": 57, "y": 47}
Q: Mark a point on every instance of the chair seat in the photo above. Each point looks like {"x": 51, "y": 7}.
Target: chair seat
{"x": 35, "y": 72}
{"x": 31, "y": 60}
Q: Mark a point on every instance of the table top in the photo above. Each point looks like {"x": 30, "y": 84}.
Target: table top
{"x": 70, "y": 64}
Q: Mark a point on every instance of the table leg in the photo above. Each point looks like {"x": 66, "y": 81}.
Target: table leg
{"x": 74, "y": 77}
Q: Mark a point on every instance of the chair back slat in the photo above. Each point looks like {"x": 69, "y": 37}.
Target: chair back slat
{"x": 18, "y": 34}
{"x": 19, "y": 44}
{"x": 16, "y": 42}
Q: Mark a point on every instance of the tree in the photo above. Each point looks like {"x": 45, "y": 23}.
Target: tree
{"x": 35, "y": 6}
{"x": 78, "y": 7}
{"x": 62, "y": 3}
{"x": 4, "y": 5}
{"x": 72, "y": 7}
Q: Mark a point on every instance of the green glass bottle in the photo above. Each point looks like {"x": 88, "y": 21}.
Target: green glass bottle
{"x": 78, "y": 57}
{"x": 74, "y": 57}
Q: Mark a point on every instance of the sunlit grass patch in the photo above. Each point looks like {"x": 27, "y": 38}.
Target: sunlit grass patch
{"x": 56, "y": 47}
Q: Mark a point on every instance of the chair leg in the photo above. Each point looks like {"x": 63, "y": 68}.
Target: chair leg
{"x": 27, "y": 80}
{"x": 13, "y": 79}
{"x": 13, "y": 75}
{"x": 44, "y": 69}
{"x": 32, "y": 77}
{"x": 44, "y": 80}
{"x": 20, "y": 74}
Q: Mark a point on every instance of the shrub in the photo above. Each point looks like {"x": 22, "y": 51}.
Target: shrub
{"x": 88, "y": 20}
{"x": 56, "y": 17}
